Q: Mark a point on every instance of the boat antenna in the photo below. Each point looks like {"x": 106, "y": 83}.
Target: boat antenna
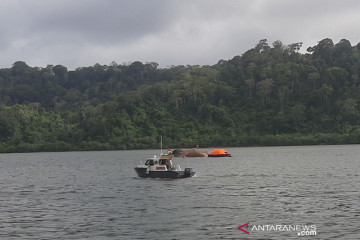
{"x": 161, "y": 143}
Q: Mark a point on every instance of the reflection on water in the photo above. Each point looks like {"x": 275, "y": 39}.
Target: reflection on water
{"x": 96, "y": 195}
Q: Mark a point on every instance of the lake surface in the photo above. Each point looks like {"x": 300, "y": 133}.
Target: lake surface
{"x": 97, "y": 195}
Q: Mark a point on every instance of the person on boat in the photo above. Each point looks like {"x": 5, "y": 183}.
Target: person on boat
{"x": 164, "y": 162}
{"x": 169, "y": 164}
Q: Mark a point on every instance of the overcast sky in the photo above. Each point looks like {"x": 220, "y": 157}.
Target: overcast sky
{"x": 81, "y": 33}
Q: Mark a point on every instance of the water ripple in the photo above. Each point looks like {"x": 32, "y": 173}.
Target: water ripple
{"x": 96, "y": 195}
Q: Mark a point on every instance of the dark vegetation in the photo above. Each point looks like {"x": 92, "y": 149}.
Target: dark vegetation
{"x": 270, "y": 95}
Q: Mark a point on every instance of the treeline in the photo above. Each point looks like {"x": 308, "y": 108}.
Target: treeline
{"x": 270, "y": 95}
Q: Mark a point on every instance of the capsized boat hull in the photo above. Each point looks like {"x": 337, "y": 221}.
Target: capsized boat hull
{"x": 142, "y": 172}
{"x": 189, "y": 152}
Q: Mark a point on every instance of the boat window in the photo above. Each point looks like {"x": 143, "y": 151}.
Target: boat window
{"x": 149, "y": 162}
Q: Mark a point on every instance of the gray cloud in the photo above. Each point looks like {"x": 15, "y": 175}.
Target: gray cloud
{"x": 170, "y": 32}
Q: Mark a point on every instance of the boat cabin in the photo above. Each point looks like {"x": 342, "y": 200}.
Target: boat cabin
{"x": 161, "y": 164}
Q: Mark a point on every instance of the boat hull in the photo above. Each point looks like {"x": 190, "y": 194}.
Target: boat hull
{"x": 143, "y": 173}
{"x": 189, "y": 152}
{"x": 220, "y": 155}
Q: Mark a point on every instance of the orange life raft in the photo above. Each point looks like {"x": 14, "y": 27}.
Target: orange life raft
{"x": 219, "y": 153}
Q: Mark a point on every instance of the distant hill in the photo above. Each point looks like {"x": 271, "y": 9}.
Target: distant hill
{"x": 270, "y": 95}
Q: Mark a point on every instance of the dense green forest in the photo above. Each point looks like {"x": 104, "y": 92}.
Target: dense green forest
{"x": 269, "y": 95}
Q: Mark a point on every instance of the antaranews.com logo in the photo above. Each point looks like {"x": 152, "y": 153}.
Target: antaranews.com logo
{"x": 301, "y": 230}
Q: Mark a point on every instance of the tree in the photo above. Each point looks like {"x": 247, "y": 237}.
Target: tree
{"x": 337, "y": 76}
{"x": 6, "y": 129}
{"x": 250, "y": 84}
{"x": 343, "y": 54}
{"x": 294, "y": 47}
{"x": 60, "y": 71}
{"x": 262, "y": 46}
{"x": 324, "y": 51}
{"x": 314, "y": 78}
{"x": 326, "y": 91}
{"x": 264, "y": 88}
{"x": 19, "y": 68}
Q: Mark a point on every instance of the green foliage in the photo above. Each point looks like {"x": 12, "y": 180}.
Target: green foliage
{"x": 270, "y": 95}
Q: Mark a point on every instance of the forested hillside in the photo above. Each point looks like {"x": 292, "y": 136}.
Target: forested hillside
{"x": 269, "y": 95}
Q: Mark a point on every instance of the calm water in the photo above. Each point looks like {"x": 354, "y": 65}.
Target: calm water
{"x": 96, "y": 195}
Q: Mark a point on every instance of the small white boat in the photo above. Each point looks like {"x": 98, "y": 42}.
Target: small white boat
{"x": 162, "y": 167}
